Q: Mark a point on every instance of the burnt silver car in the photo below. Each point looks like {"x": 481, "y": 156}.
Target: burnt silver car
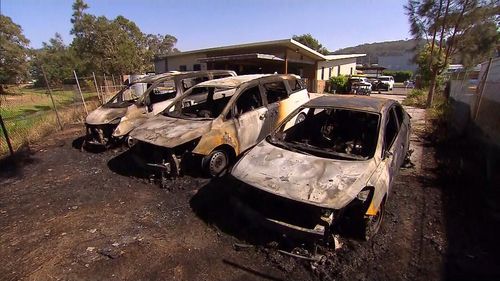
{"x": 338, "y": 164}
{"x": 125, "y": 111}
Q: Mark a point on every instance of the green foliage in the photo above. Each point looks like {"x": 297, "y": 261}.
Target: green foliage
{"x": 416, "y": 98}
{"x": 115, "y": 46}
{"x": 311, "y": 42}
{"x": 58, "y": 60}
{"x": 399, "y": 76}
{"x": 425, "y": 69}
{"x": 14, "y": 52}
{"x": 339, "y": 83}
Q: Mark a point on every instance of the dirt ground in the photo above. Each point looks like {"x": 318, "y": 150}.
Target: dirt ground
{"x": 72, "y": 215}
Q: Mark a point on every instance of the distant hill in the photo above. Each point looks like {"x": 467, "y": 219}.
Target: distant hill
{"x": 374, "y": 50}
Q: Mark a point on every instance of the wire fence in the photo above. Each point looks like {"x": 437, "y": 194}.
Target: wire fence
{"x": 29, "y": 113}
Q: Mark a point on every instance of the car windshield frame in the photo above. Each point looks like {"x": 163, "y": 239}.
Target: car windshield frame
{"x": 276, "y": 137}
{"x": 177, "y": 103}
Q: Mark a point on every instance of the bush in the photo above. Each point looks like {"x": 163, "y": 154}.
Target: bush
{"x": 399, "y": 76}
{"x": 339, "y": 83}
{"x": 416, "y": 98}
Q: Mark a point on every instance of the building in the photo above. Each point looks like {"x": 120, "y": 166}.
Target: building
{"x": 401, "y": 62}
{"x": 279, "y": 56}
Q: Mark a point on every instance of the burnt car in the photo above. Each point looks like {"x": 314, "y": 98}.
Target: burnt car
{"x": 335, "y": 166}
{"x": 129, "y": 108}
{"x": 215, "y": 121}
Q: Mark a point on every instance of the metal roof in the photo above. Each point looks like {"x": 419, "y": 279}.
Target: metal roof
{"x": 290, "y": 43}
{"x": 365, "y": 103}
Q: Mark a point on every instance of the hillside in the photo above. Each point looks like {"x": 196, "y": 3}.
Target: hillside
{"x": 374, "y": 50}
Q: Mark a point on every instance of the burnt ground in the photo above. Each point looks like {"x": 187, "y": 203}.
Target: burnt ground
{"x": 72, "y": 215}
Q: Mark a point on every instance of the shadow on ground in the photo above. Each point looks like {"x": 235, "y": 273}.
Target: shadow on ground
{"x": 470, "y": 204}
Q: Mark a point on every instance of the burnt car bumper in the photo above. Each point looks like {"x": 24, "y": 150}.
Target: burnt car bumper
{"x": 283, "y": 215}
{"x": 100, "y": 135}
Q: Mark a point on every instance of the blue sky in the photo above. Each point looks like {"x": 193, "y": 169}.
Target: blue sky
{"x": 203, "y": 23}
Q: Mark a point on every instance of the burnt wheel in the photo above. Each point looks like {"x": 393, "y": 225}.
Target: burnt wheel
{"x": 216, "y": 163}
{"x": 372, "y": 224}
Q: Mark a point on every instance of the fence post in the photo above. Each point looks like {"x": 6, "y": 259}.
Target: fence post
{"x": 105, "y": 84}
{"x": 80, "y": 90}
{"x": 51, "y": 98}
{"x": 6, "y": 136}
{"x": 478, "y": 104}
{"x": 97, "y": 89}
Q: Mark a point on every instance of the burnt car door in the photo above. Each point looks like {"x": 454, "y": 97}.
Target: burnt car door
{"x": 392, "y": 145}
{"x": 250, "y": 116}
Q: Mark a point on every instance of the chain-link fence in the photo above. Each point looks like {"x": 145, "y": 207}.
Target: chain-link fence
{"x": 29, "y": 113}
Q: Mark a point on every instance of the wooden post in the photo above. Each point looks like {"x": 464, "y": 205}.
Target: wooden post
{"x": 97, "y": 89}
{"x": 81, "y": 95}
{"x": 6, "y": 136}
{"x": 105, "y": 84}
{"x": 478, "y": 106}
{"x": 52, "y": 98}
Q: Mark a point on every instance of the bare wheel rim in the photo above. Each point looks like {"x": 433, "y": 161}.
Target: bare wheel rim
{"x": 218, "y": 163}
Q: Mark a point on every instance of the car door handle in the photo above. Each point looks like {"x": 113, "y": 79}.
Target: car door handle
{"x": 262, "y": 117}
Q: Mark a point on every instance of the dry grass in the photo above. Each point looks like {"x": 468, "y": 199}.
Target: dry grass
{"x": 32, "y": 128}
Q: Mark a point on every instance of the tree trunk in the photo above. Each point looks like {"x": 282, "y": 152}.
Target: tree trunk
{"x": 432, "y": 88}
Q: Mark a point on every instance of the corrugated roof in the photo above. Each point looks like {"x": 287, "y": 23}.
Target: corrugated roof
{"x": 284, "y": 42}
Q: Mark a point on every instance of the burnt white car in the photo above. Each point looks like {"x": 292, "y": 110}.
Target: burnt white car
{"x": 337, "y": 164}
{"x": 216, "y": 121}
{"x": 129, "y": 108}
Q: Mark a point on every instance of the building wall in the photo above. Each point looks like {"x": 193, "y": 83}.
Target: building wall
{"x": 346, "y": 66}
{"x": 401, "y": 62}
{"x": 174, "y": 63}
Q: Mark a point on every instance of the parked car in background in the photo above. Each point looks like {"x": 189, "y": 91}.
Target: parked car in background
{"x": 112, "y": 122}
{"x": 336, "y": 165}
{"x": 359, "y": 86}
{"x": 215, "y": 121}
{"x": 385, "y": 83}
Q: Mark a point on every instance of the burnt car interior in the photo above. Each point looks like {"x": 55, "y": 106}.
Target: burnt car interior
{"x": 332, "y": 133}
{"x": 275, "y": 91}
{"x": 124, "y": 98}
{"x": 202, "y": 102}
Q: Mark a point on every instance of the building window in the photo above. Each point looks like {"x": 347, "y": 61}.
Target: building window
{"x": 351, "y": 70}
{"x": 197, "y": 67}
{"x": 338, "y": 70}
{"x": 329, "y": 72}
{"x": 322, "y": 73}
{"x": 182, "y": 67}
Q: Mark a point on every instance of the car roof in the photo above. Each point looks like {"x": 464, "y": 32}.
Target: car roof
{"x": 231, "y": 82}
{"x": 371, "y": 104}
{"x": 153, "y": 78}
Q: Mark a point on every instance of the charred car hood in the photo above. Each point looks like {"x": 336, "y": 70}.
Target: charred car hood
{"x": 104, "y": 115}
{"x": 310, "y": 179}
{"x": 170, "y": 132}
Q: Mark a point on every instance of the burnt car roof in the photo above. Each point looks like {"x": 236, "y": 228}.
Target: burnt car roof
{"x": 233, "y": 81}
{"x": 371, "y": 104}
{"x": 170, "y": 74}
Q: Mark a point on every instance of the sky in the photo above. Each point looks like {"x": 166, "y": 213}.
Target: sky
{"x": 201, "y": 24}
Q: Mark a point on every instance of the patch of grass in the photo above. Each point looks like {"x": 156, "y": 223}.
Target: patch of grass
{"x": 33, "y": 127}
{"x": 416, "y": 98}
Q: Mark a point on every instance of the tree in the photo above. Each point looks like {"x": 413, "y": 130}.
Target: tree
{"x": 58, "y": 61}
{"x": 14, "y": 52}
{"x": 311, "y": 42}
{"x": 115, "y": 46}
{"x": 462, "y": 29}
